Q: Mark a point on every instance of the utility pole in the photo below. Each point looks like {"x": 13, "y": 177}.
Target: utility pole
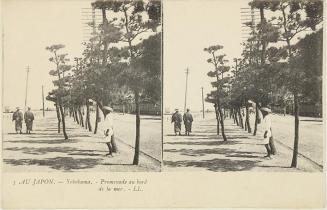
{"x": 43, "y": 101}
{"x": 187, "y": 73}
{"x": 236, "y": 67}
{"x": 93, "y": 20}
{"x": 248, "y": 18}
{"x": 27, "y": 72}
{"x": 202, "y": 103}
{"x": 90, "y": 15}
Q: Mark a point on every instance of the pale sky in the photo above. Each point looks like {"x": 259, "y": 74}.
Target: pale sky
{"x": 189, "y": 27}
{"x": 29, "y": 26}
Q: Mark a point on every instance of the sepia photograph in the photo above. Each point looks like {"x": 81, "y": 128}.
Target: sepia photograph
{"x": 243, "y": 86}
{"x": 81, "y": 86}
{"x": 189, "y": 103}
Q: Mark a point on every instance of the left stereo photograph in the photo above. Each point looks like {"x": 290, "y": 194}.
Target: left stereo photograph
{"x": 82, "y": 86}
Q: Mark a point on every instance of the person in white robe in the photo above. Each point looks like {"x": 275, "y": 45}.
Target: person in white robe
{"x": 266, "y": 129}
{"x": 108, "y": 128}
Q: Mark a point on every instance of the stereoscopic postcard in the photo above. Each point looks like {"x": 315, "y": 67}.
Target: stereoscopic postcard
{"x": 163, "y": 104}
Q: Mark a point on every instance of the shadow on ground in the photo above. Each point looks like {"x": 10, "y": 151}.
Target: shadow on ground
{"x": 43, "y": 142}
{"x": 313, "y": 120}
{"x": 202, "y": 142}
{"x": 45, "y": 150}
{"x": 52, "y": 141}
{"x": 58, "y": 163}
{"x": 231, "y": 159}
{"x": 51, "y": 138}
{"x": 221, "y": 165}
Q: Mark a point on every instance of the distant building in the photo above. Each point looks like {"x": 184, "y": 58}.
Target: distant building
{"x": 7, "y": 109}
{"x": 145, "y": 108}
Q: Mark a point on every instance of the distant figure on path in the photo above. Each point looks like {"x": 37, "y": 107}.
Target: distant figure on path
{"x": 29, "y": 118}
{"x": 177, "y": 120}
{"x": 188, "y": 119}
{"x": 18, "y": 118}
{"x": 266, "y": 126}
{"x": 108, "y": 129}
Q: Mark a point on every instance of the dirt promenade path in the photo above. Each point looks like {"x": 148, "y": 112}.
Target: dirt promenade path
{"x": 203, "y": 150}
{"x": 45, "y": 150}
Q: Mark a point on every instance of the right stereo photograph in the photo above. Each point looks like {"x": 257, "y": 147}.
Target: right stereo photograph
{"x": 243, "y": 86}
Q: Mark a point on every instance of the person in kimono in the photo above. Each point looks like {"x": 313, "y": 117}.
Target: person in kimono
{"x": 266, "y": 129}
{"x": 108, "y": 130}
{"x": 188, "y": 119}
{"x": 29, "y": 118}
{"x": 177, "y": 120}
{"x": 18, "y": 118}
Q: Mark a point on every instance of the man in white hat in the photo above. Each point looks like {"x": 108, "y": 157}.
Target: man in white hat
{"x": 266, "y": 129}
{"x": 18, "y": 118}
{"x": 108, "y": 129}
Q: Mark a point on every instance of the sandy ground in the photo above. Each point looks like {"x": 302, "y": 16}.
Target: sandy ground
{"x": 45, "y": 150}
{"x": 203, "y": 150}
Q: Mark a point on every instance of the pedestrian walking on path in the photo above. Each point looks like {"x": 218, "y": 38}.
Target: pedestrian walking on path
{"x": 188, "y": 119}
{"x": 177, "y": 120}
{"x": 18, "y": 118}
{"x": 29, "y": 118}
{"x": 108, "y": 129}
{"x": 266, "y": 128}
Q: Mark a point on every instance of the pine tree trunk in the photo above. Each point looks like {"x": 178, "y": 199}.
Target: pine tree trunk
{"x": 58, "y": 117}
{"x": 235, "y": 117}
{"x": 88, "y": 121}
{"x": 222, "y": 122}
{"x": 217, "y": 118}
{"x": 248, "y": 119}
{"x": 241, "y": 118}
{"x": 63, "y": 121}
{"x": 137, "y": 123}
{"x": 96, "y": 118}
{"x": 73, "y": 114}
{"x": 256, "y": 119}
{"x": 296, "y": 130}
{"x": 218, "y": 124}
{"x": 245, "y": 125}
{"x": 85, "y": 122}
{"x": 100, "y": 106}
{"x": 80, "y": 117}
{"x": 76, "y": 115}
